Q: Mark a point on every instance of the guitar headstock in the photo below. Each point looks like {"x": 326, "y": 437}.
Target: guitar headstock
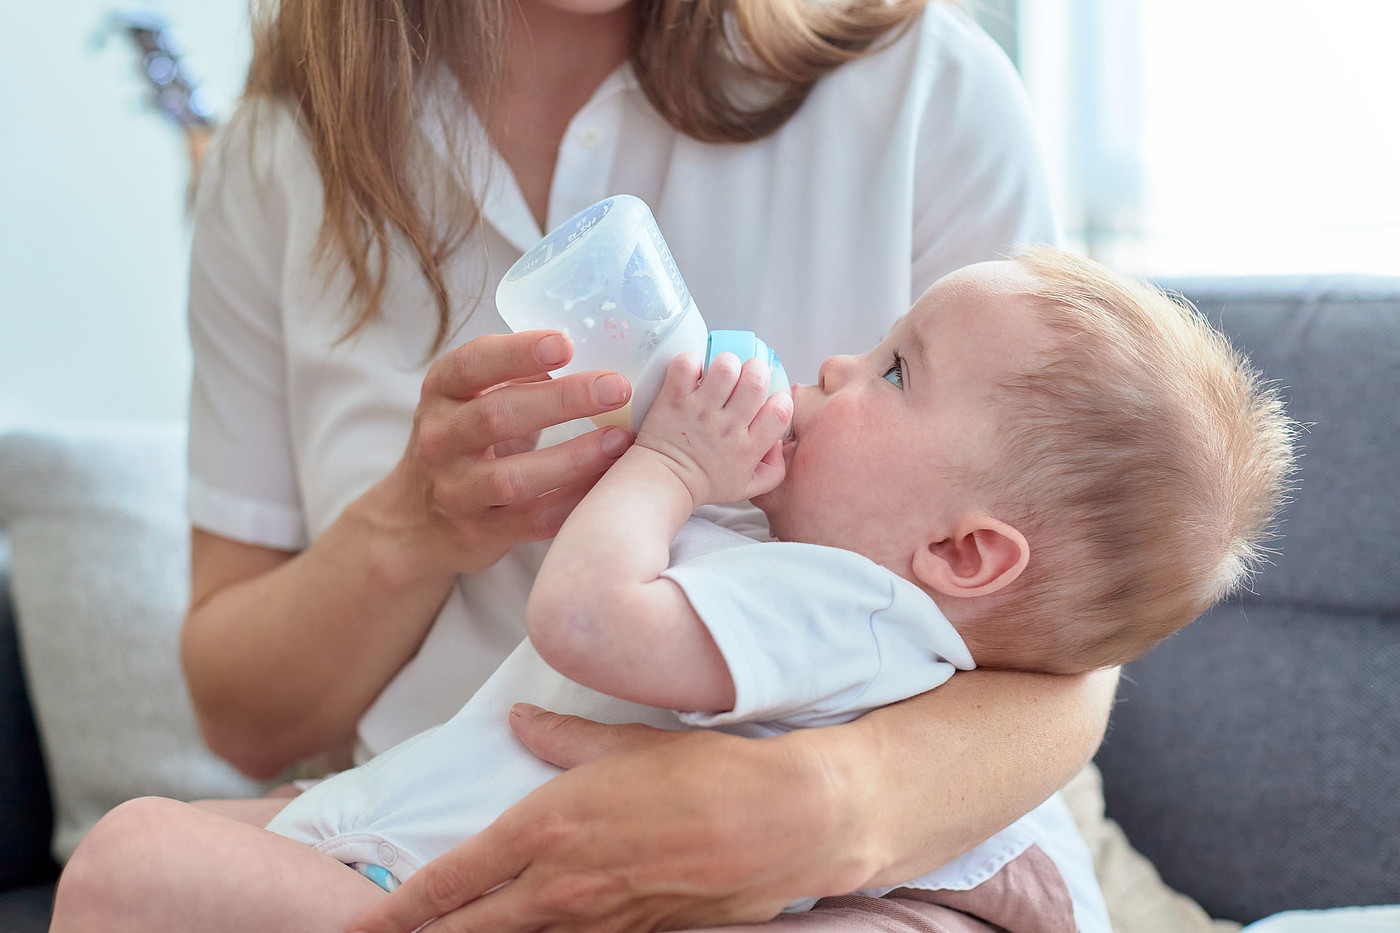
{"x": 174, "y": 92}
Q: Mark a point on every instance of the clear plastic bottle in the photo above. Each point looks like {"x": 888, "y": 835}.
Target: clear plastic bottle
{"x": 605, "y": 277}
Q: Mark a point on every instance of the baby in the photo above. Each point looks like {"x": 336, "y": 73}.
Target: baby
{"x": 1045, "y": 467}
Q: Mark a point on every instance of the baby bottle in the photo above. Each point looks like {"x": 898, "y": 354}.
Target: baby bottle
{"x": 605, "y": 277}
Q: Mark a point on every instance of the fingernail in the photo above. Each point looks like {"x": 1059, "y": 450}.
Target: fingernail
{"x": 610, "y": 389}
{"x": 615, "y": 441}
{"x": 551, "y": 350}
{"x": 525, "y": 710}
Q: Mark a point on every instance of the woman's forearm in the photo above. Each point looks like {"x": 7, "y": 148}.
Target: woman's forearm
{"x": 735, "y": 828}
{"x": 939, "y": 773}
{"x": 283, "y": 656}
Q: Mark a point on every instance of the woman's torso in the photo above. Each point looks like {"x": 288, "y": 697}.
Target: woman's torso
{"x": 899, "y": 168}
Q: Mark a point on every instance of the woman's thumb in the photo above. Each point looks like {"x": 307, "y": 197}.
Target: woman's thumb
{"x": 569, "y": 741}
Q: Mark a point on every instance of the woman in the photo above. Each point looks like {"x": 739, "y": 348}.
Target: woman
{"x": 369, "y": 496}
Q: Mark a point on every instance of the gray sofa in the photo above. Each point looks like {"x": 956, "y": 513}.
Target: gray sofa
{"x": 1254, "y": 758}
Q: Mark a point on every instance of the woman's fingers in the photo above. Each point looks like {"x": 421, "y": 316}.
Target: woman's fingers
{"x": 569, "y": 741}
{"x": 653, "y": 830}
{"x": 539, "y": 518}
{"x": 471, "y": 484}
{"x": 456, "y": 428}
{"x": 479, "y": 364}
{"x": 523, "y": 906}
{"x": 444, "y": 885}
{"x": 487, "y": 484}
{"x": 493, "y": 390}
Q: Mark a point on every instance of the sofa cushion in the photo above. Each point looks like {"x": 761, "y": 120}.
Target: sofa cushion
{"x": 1334, "y": 345}
{"x": 99, "y": 575}
{"x": 1254, "y": 757}
{"x": 1138, "y": 900}
{"x": 1260, "y": 779}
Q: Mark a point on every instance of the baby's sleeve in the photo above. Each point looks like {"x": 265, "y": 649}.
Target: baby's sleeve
{"x": 814, "y": 635}
{"x": 242, "y": 470}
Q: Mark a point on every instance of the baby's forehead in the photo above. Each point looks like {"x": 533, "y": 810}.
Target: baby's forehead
{"x": 1003, "y": 277}
{"x": 994, "y": 288}
{"x": 984, "y": 315}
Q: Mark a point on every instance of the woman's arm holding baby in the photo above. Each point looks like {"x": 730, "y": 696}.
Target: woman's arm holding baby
{"x": 601, "y": 612}
{"x": 735, "y": 828}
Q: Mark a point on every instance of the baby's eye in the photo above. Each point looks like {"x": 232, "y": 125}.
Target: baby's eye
{"x": 895, "y": 374}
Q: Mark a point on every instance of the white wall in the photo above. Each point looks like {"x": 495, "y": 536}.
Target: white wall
{"x": 94, "y": 240}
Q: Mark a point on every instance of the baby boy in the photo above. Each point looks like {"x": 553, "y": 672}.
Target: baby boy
{"x": 1045, "y": 466}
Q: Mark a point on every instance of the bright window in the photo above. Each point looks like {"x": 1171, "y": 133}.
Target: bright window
{"x": 1222, "y": 136}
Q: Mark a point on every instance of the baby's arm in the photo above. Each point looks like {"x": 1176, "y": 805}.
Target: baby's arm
{"x": 600, "y": 612}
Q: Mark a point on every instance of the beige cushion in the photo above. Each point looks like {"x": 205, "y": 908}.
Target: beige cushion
{"x": 99, "y": 551}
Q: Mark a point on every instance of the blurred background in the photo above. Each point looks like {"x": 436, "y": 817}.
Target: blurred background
{"x": 94, "y": 238}
{"x": 1185, "y": 136}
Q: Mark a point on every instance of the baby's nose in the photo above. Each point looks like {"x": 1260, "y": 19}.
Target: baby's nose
{"x": 832, "y": 372}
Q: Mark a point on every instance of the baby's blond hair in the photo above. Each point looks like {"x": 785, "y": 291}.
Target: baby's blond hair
{"x": 1144, "y": 459}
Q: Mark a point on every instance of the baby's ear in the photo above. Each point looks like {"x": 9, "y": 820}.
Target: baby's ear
{"x": 982, "y": 555}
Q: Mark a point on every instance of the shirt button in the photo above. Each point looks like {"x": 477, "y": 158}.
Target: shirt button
{"x": 387, "y": 855}
{"x": 590, "y": 137}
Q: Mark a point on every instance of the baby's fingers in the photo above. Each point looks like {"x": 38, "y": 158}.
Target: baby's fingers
{"x": 769, "y": 471}
{"x": 719, "y": 382}
{"x": 750, "y": 389}
{"x": 682, "y": 377}
{"x": 771, "y": 422}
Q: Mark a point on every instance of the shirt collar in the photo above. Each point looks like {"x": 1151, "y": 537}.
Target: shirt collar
{"x": 458, "y": 137}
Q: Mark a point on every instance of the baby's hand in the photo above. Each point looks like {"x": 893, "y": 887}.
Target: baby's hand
{"x": 721, "y": 435}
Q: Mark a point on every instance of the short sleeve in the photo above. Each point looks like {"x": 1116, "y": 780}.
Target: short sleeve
{"x": 242, "y": 470}
{"x": 743, "y": 518}
{"x": 815, "y": 635}
{"x": 982, "y": 189}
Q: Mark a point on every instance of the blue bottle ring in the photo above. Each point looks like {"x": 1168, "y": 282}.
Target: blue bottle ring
{"x": 746, "y": 345}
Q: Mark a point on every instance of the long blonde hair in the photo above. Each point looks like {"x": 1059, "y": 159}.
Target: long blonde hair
{"x": 353, "y": 70}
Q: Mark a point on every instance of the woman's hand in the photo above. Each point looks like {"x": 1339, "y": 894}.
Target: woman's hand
{"x": 654, "y": 830}
{"x": 348, "y": 612}
{"x": 470, "y": 485}
{"x": 648, "y": 830}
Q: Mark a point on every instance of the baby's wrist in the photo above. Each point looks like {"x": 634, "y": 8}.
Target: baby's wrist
{"x": 682, "y": 477}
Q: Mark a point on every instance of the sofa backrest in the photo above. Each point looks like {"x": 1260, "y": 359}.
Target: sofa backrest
{"x": 1255, "y": 756}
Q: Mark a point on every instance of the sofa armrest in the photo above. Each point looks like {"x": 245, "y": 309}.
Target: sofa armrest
{"x": 26, "y": 817}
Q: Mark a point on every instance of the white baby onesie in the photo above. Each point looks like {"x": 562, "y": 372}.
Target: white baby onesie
{"x": 812, "y": 636}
